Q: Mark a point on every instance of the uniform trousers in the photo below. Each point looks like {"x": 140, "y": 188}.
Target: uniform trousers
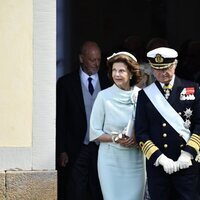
{"x": 182, "y": 185}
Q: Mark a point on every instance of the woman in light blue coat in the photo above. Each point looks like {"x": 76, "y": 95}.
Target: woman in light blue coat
{"x": 121, "y": 166}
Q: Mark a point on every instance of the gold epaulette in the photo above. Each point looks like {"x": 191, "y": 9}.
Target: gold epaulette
{"x": 194, "y": 142}
{"x": 148, "y": 148}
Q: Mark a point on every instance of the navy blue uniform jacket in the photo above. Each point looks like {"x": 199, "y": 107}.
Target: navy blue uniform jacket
{"x": 154, "y": 134}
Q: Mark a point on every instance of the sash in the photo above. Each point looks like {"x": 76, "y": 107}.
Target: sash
{"x": 167, "y": 111}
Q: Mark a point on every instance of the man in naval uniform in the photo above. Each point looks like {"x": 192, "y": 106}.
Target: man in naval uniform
{"x": 167, "y": 129}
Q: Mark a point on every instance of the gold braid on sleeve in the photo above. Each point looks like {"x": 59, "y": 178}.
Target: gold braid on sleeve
{"x": 148, "y": 148}
{"x": 194, "y": 142}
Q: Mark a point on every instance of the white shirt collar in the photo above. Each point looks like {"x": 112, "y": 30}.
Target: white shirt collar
{"x": 84, "y": 78}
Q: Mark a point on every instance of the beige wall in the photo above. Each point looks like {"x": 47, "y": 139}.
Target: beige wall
{"x": 27, "y": 84}
{"x": 27, "y": 99}
{"x": 16, "y": 73}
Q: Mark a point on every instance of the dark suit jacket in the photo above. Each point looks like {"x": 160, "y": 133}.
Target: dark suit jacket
{"x": 150, "y": 125}
{"x": 71, "y": 122}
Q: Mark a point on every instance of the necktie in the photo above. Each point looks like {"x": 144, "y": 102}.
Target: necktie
{"x": 167, "y": 89}
{"x": 90, "y": 86}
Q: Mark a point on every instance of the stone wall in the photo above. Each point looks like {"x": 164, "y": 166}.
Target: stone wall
{"x": 28, "y": 185}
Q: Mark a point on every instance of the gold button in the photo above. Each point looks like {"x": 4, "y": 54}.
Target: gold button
{"x": 164, "y": 134}
{"x": 141, "y": 144}
{"x": 164, "y": 124}
{"x": 165, "y": 145}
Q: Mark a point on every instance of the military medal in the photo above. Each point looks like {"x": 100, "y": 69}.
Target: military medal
{"x": 188, "y": 113}
{"x": 187, "y": 123}
{"x": 187, "y": 94}
{"x": 167, "y": 93}
{"x": 167, "y": 90}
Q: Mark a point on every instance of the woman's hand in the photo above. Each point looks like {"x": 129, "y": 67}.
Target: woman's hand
{"x": 125, "y": 141}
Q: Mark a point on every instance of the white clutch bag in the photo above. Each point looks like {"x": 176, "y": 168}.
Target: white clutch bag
{"x": 130, "y": 128}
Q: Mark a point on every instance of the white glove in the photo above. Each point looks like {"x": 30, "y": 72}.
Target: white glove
{"x": 168, "y": 164}
{"x": 184, "y": 160}
{"x": 197, "y": 159}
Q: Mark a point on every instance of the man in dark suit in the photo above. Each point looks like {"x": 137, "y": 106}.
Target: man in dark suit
{"x": 167, "y": 129}
{"x": 76, "y": 93}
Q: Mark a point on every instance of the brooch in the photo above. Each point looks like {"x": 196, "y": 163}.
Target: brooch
{"x": 134, "y": 97}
